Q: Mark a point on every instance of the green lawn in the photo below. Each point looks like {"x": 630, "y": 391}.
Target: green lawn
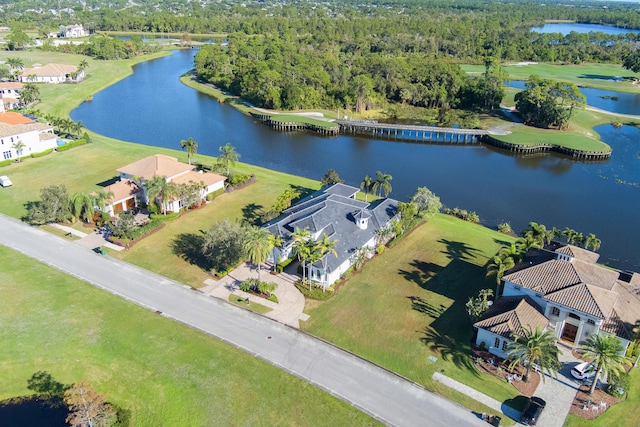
{"x": 408, "y": 304}
{"x": 253, "y": 306}
{"x": 161, "y": 370}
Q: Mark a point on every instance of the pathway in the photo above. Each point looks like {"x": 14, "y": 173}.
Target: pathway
{"x": 91, "y": 240}
{"x": 382, "y": 394}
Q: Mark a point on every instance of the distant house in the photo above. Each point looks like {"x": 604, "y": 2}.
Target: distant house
{"x": 334, "y": 211}
{"x": 575, "y": 297}
{"x": 52, "y": 73}
{"x": 10, "y": 95}
{"x": 37, "y": 137}
{"x": 73, "y": 31}
{"x": 124, "y": 196}
{"x": 161, "y": 165}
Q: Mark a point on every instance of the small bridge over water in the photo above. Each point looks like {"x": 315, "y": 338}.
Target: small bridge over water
{"x": 413, "y": 132}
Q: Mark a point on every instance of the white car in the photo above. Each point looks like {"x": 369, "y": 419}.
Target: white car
{"x": 583, "y": 371}
{"x": 5, "y": 181}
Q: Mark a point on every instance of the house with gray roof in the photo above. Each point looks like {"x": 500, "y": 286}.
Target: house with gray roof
{"x": 334, "y": 211}
{"x": 576, "y": 296}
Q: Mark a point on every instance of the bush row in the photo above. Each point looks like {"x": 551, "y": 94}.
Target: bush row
{"x": 161, "y": 217}
{"x": 71, "y": 145}
{"x": 315, "y": 292}
{"x": 214, "y": 194}
{"x": 282, "y": 265}
{"x": 42, "y": 153}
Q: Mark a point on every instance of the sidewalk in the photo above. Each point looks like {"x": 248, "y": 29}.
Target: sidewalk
{"x": 90, "y": 240}
{"x": 290, "y": 306}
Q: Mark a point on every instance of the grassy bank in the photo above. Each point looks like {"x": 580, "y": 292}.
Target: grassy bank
{"x": 408, "y": 305}
{"x": 163, "y": 372}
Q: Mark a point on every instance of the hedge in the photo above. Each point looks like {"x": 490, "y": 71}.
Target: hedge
{"x": 214, "y": 194}
{"x": 73, "y": 144}
{"x": 42, "y": 153}
{"x": 315, "y": 292}
{"x": 161, "y": 217}
{"x": 282, "y": 265}
{"x": 6, "y": 162}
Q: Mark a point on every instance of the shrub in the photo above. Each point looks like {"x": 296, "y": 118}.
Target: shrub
{"x": 42, "y": 153}
{"x": 6, "y": 162}
{"x": 249, "y": 285}
{"x": 315, "y": 292}
{"x": 238, "y": 178}
{"x": 153, "y": 208}
{"x": 619, "y": 385}
{"x": 380, "y": 249}
{"x": 505, "y": 228}
{"x": 71, "y": 145}
{"x": 282, "y": 265}
{"x": 273, "y": 298}
{"x": 214, "y": 194}
{"x": 267, "y": 287}
{"x": 483, "y": 346}
{"x": 105, "y": 217}
{"x": 162, "y": 217}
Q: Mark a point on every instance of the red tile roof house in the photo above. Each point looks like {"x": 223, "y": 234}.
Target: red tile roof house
{"x": 37, "y": 137}
{"x": 52, "y": 73}
{"x": 562, "y": 289}
{"x": 134, "y": 175}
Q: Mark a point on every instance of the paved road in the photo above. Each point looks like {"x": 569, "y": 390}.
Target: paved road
{"x": 377, "y": 392}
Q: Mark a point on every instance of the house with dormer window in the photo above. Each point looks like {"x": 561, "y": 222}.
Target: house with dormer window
{"x": 334, "y": 211}
{"x": 575, "y": 296}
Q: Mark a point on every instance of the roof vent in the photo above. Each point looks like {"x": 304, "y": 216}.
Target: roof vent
{"x": 361, "y": 218}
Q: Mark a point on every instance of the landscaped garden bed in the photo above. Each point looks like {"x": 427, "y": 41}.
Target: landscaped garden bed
{"x": 584, "y": 403}
{"x": 498, "y": 367}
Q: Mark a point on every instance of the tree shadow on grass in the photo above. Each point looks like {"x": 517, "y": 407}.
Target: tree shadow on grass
{"x": 450, "y": 349}
{"x": 422, "y": 272}
{"x": 303, "y": 191}
{"x": 458, "y": 250}
{"x": 188, "y": 246}
{"x": 502, "y": 242}
{"x": 251, "y": 213}
{"x": 421, "y": 305}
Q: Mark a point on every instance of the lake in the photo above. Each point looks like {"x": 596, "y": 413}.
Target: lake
{"x": 565, "y": 28}
{"x": 152, "y": 107}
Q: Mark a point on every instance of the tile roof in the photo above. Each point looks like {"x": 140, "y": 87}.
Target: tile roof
{"x": 509, "y": 315}
{"x": 615, "y": 325}
{"x": 11, "y": 85}
{"x": 156, "y": 165}
{"x": 10, "y": 130}
{"x": 50, "y": 70}
{"x": 12, "y": 118}
{"x": 122, "y": 190}
{"x": 588, "y": 299}
{"x": 207, "y": 178}
{"x": 579, "y": 253}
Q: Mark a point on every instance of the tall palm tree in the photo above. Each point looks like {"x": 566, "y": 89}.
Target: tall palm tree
{"x": 592, "y": 241}
{"x": 382, "y": 184}
{"x": 538, "y": 232}
{"x": 15, "y": 63}
{"x": 531, "y": 347}
{"x": 325, "y": 247}
{"x": 76, "y": 127}
{"x": 83, "y": 65}
{"x": 191, "y": 146}
{"x": 301, "y": 247}
{"x": 497, "y": 267}
{"x": 258, "y": 245}
{"x": 366, "y": 186}
{"x": 527, "y": 242}
{"x": 512, "y": 251}
{"x": 228, "y": 156}
{"x": 607, "y": 353}
{"x": 19, "y": 146}
{"x": 155, "y": 188}
{"x": 81, "y": 206}
{"x": 99, "y": 198}
{"x": 570, "y": 234}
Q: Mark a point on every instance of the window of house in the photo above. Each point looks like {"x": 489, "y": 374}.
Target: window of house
{"x": 497, "y": 343}
{"x": 504, "y": 345}
{"x": 555, "y": 311}
{"x": 7, "y": 155}
{"x": 574, "y": 316}
{"x": 517, "y": 288}
{"x": 591, "y": 322}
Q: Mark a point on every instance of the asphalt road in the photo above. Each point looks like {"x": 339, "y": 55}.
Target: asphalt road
{"x": 370, "y": 388}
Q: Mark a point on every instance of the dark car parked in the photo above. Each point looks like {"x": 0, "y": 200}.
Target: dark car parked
{"x": 532, "y": 411}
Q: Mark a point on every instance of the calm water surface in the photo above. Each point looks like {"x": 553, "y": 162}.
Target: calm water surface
{"x": 566, "y": 28}
{"x": 152, "y": 107}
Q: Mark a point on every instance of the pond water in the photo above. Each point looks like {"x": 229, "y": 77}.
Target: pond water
{"x": 152, "y": 107}
{"x": 32, "y": 412}
{"x": 565, "y": 28}
{"x": 616, "y": 102}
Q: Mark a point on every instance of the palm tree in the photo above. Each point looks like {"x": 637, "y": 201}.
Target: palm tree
{"x": 324, "y": 247}
{"x": 382, "y": 184}
{"x": 258, "y": 245}
{"x": 538, "y": 232}
{"x": 191, "y": 147}
{"x": 19, "y": 146}
{"x": 301, "y": 247}
{"x": 497, "y": 267}
{"x": 527, "y": 242}
{"x": 366, "y": 186}
{"x": 100, "y": 198}
{"x": 531, "y": 347}
{"x": 607, "y": 353}
{"x": 29, "y": 94}
{"x": 512, "y": 251}
{"x": 155, "y": 188}
{"x": 228, "y": 156}
{"x": 15, "y": 63}
{"x": 76, "y": 127}
{"x": 593, "y": 241}
{"x": 485, "y": 293}
{"x": 81, "y": 206}
{"x": 83, "y": 65}
{"x": 570, "y": 234}
{"x": 636, "y": 340}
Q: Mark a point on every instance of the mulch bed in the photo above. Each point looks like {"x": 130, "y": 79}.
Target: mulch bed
{"x": 499, "y": 368}
{"x": 583, "y": 398}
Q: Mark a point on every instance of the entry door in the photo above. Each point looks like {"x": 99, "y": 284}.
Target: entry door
{"x": 569, "y": 332}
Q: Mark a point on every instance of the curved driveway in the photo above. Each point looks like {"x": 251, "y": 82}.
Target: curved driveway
{"x": 379, "y": 393}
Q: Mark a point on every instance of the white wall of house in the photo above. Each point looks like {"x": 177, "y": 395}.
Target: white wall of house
{"x": 494, "y": 343}
{"x": 31, "y": 139}
{"x": 214, "y": 187}
{"x": 52, "y": 79}
{"x": 511, "y": 289}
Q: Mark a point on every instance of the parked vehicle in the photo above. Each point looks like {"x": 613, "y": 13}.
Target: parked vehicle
{"x": 583, "y": 371}
{"x": 532, "y": 411}
{"x": 5, "y": 181}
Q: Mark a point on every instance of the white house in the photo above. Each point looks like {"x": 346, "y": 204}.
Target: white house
{"x": 174, "y": 171}
{"x": 73, "y": 31}
{"x": 37, "y": 137}
{"x": 576, "y": 296}
{"x": 10, "y": 94}
{"x": 52, "y": 73}
{"x": 334, "y": 211}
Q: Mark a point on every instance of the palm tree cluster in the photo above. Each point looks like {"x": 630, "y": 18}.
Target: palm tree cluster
{"x": 158, "y": 188}
{"x": 381, "y": 185}
{"x": 83, "y": 206}
{"x": 64, "y": 126}
{"x": 534, "y": 347}
{"x": 310, "y": 251}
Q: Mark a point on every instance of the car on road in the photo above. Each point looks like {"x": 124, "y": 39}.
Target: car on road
{"x": 5, "y": 181}
{"x": 532, "y": 411}
{"x": 583, "y": 371}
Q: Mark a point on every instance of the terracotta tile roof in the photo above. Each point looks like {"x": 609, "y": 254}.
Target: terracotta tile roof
{"x": 509, "y": 315}
{"x": 614, "y": 325}
{"x": 12, "y": 118}
{"x": 122, "y": 190}
{"x": 579, "y": 253}
{"x": 9, "y": 130}
{"x": 50, "y": 70}
{"x": 550, "y": 276}
{"x": 11, "y": 85}
{"x": 588, "y": 299}
{"x": 156, "y": 165}
{"x": 208, "y": 178}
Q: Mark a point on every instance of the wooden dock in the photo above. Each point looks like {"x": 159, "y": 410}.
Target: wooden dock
{"x": 413, "y": 132}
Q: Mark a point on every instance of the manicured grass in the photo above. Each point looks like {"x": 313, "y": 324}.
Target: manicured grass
{"x": 239, "y": 301}
{"x": 590, "y": 75}
{"x": 625, "y": 414}
{"x": 61, "y": 233}
{"x": 528, "y": 135}
{"x": 164, "y": 372}
{"x": 408, "y": 304}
